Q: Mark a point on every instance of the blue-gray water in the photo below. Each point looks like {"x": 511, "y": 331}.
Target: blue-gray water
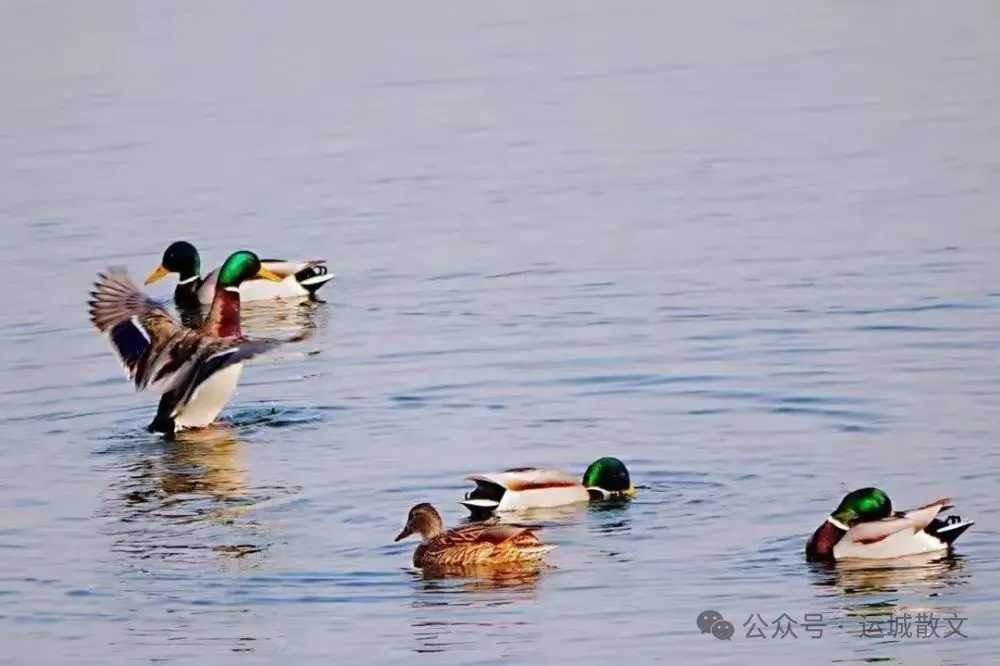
{"x": 750, "y": 250}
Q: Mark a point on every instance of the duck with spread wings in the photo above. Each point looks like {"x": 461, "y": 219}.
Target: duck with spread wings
{"x": 195, "y": 370}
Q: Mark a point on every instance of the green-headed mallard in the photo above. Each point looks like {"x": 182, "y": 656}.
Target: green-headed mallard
{"x": 864, "y": 526}
{"x": 298, "y": 278}
{"x": 533, "y": 488}
{"x": 196, "y": 370}
{"x": 474, "y": 544}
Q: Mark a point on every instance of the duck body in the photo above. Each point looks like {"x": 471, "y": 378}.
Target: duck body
{"x": 477, "y": 544}
{"x": 864, "y": 526}
{"x": 208, "y": 399}
{"x": 523, "y": 488}
{"x": 195, "y": 370}
{"x": 526, "y": 488}
{"x": 298, "y": 279}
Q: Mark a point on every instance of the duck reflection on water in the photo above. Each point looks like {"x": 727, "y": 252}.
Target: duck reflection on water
{"x": 927, "y": 571}
{"x": 186, "y": 496}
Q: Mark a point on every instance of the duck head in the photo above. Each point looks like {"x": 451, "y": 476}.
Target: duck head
{"x": 241, "y": 266}
{"x": 180, "y": 257}
{"x": 861, "y": 506}
{"x": 607, "y": 478}
{"x": 423, "y": 520}
{"x": 858, "y": 506}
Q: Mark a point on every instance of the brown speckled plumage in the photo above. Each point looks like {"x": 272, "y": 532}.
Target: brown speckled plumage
{"x": 475, "y": 544}
{"x": 481, "y": 544}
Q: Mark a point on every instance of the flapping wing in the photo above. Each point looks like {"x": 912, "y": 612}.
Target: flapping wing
{"x": 134, "y": 323}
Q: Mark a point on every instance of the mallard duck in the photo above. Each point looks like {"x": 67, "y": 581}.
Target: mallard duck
{"x": 196, "y": 370}
{"x": 298, "y": 278}
{"x": 532, "y": 488}
{"x": 865, "y": 526}
{"x": 474, "y": 544}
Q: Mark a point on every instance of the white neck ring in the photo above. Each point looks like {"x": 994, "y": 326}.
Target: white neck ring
{"x": 836, "y": 523}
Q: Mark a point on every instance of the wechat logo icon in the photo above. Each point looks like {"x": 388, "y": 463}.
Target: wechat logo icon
{"x": 712, "y": 622}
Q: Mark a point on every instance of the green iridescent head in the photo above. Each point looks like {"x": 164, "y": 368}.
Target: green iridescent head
{"x": 608, "y": 478}
{"x": 864, "y": 505}
{"x": 240, "y": 266}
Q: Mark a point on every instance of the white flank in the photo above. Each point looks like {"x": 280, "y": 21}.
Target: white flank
{"x": 900, "y": 544}
{"x": 542, "y": 498}
{"x": 209, "y": 398}
{"x": 265, "y": 290}
{"x": 570, "y": 492}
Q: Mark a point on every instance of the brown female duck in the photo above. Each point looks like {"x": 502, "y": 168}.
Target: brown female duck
{"x": 475, "y": 544}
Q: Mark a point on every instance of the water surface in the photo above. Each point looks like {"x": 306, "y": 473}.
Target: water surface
{"x": 752, "y": 254}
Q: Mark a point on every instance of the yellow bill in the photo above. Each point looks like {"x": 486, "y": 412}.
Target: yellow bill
{"x": 157, "y": 275}
{"x": 269, "y": 275}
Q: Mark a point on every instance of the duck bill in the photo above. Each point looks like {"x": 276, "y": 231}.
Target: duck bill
{"x": 269, "y": 275}
{"x": 157, "y": 275}
{"x": 405, "y": 533}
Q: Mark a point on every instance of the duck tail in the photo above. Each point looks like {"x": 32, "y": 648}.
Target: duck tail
{"x": 479, "y": 508}
{"x": 948, "y": 529}
{"x": 313, "y": 276}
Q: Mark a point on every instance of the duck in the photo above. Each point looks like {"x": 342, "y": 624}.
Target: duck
{"x": 298, "y": 278}
{"x": 533, "y": 488}
{"x": 864, "y": 526}
{"x": 475, "y": 544}
{"x": 195, "y": 370}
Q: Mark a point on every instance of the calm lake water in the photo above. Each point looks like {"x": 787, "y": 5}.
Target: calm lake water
{"x": 752, "y": 254}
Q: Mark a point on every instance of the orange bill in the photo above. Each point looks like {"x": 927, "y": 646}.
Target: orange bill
{"x": 157, "y": 275}
{"x": 269, "y": 275}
